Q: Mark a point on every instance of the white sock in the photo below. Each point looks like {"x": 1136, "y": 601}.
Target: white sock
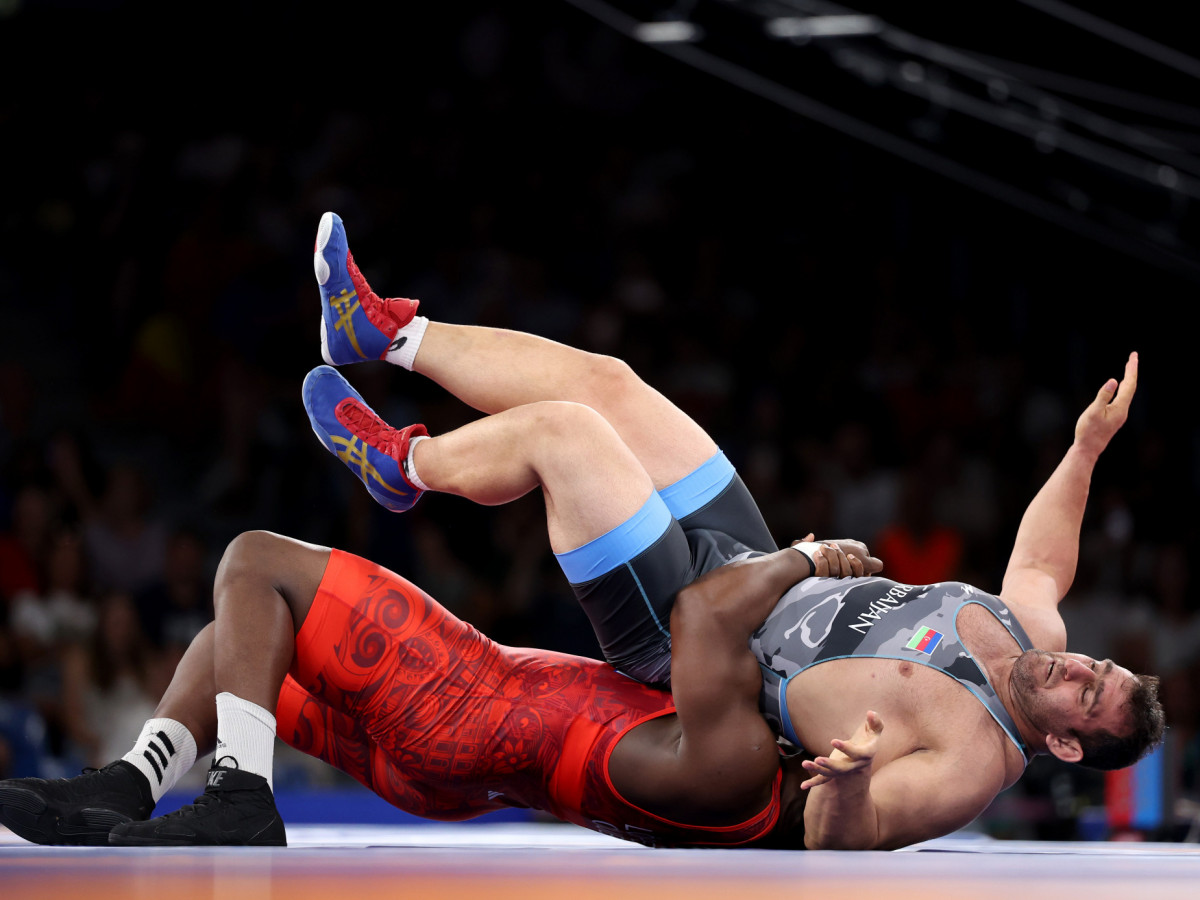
{"x": 164, "y": 752}
{"x": 410, "y": 463}
{"x": 406, "y": 342}
{"x": 245, "y": 736}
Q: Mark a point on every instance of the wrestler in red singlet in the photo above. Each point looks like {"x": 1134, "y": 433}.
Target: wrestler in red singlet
{"x": 445, "y": 723}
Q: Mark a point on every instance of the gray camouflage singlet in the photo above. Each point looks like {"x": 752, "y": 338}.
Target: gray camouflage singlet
{"x": 820, "y": 619}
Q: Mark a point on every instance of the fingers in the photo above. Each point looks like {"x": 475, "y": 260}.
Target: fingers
{"x": 832, "y": 768}
{"x": 1119, "y": 394}
{"x": 842, "y": 559}
{"x": 856, "y": 752}
{"x": 818, "y": 774}
{"x": 1128, "y": 385}
{"x": 834, "y": 560}
{"x": 872, "y": 564}
{"x": 1105, "y": 395}
{"x": 828, "y": 768}
{"x": 848, "y": 756}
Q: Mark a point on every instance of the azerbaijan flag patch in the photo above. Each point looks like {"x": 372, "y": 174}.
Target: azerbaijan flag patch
{"x": 925, "y": 640}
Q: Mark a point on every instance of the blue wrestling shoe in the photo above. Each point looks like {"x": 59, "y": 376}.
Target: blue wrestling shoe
{"x": 356, "y": 324}
{"x": 350, "y": 430}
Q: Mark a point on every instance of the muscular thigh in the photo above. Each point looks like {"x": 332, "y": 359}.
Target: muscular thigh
{"x": 416, "y": 704}
{"x": 629, "y": 605}
{"x": 733, "y": 522}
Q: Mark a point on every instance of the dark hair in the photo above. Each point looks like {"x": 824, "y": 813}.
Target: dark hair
{"x": 1105, "y": 750}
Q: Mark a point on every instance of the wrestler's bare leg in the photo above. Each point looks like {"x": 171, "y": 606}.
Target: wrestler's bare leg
{"x": 264, "y": 588}
{"x": 494, "y": 370}
{"x": 591, "y": 479}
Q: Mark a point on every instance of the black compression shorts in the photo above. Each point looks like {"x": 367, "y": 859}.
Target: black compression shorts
{"x": 627, "y": 579}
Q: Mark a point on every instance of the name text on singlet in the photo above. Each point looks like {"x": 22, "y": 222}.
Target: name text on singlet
{"x": 893, "y": 598}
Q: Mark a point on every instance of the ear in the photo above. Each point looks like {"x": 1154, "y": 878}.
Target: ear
{"x": 1068, "y": 749}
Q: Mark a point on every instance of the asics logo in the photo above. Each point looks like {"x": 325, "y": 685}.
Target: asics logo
{"x": 354, "y": 454}
{"x": 346, "y": 305}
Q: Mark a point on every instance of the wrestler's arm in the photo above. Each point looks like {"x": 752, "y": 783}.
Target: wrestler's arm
{"x": 1042, "y": 565}
{"x": 726, "y": 748}
{"x": 918, "y": 797}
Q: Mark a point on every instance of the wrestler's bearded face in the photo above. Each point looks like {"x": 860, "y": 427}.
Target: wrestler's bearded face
{"x": 1065, "y": 694}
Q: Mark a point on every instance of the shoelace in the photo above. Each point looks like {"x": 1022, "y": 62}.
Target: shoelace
{"x": 385, "y": 313}
{"x": 204, "y": 799}
{"x": 369, "y": 427}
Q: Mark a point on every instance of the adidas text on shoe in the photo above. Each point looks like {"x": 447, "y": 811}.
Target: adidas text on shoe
{"x": 79, "y": 810}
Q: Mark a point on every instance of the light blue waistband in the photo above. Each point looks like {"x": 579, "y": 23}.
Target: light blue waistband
{"x": 694, "y": 490}
{"x": 619, "y": 546}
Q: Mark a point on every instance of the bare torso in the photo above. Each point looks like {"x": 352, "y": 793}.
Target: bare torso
{"x": 921, "y": 707}
{"x": 923, "y": 710}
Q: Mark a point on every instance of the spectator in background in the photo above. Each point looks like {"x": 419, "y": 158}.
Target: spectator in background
{"x": 110, "y": 681}
{"x": 175, "y": 608}
{"x": 63, "y": 612}
{"x": 45, "y": 623}
{"x": 1167, "y": 629}
{"x": 125, "y": 547}
{"x": 23, "y": 545}
{"x": 864, "y": 494}
{"x": 917, "y": 548}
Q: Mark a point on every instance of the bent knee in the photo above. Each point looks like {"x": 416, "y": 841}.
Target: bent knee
{"x": 249, "y": 552}
{"x": 566, "y": 420}
{"x": 609, "y": 382}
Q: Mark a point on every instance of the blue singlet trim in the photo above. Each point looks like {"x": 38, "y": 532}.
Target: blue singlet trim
{"x": 785, "y": 717}
{"x": 697, "y": 488}
{"x": 619, "y": 546}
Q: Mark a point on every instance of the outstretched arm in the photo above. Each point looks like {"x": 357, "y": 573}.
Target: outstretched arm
{"x": 1042, "y": 565}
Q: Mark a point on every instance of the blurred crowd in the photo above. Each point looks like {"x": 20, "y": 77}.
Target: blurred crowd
{"x": 881, "y": 356}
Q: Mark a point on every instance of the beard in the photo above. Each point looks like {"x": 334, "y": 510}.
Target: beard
{"x": 1028, "y": 674}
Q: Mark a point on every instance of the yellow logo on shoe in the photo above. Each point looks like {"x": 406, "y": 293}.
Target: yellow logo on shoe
{"x": 353, "y": 452}
{"x": 345, "y": 304}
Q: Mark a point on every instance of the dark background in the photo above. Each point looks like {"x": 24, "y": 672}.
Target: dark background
{"x": 873, "y": 345}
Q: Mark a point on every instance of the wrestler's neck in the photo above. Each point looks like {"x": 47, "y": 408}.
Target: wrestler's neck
{"x": 996, "y": 652}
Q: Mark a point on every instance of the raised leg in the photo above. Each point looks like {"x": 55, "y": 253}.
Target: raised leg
{"x": 494, "y": 370}
{"x": 591, "y": 480}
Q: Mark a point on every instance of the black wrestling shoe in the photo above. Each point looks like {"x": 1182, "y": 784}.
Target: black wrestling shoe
{"x": 79, "y": 810}
{"x": 237, "y": 809}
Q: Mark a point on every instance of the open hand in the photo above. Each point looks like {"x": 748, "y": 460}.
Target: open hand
{"x": 849, "y": 756}
{"x": 1108, "y": 412}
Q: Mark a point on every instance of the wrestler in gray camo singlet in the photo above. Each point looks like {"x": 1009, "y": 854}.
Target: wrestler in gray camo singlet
{"x": 820, "y": 619}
